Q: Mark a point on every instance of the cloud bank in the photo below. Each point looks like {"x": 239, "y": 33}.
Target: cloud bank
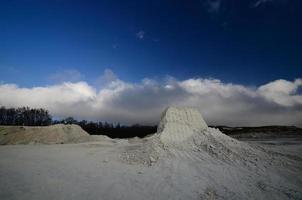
{"x": 277, "y": 102}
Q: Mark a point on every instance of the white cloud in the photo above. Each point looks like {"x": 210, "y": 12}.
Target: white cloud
{"x": 261, "y": 2}
{"x": 106, "y": 78}
{"x": 140, "y": 35}
{"x": 282, "y": 92}
{"x": 213, "y": 6}
{"x": 58, "y": 99}
{"x": 276, "y": 102}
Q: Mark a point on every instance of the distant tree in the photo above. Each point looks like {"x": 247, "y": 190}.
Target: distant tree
{"x": 118, "y": 126}
{"x": 24, "y": 116}
{"x": 70, "y": 120}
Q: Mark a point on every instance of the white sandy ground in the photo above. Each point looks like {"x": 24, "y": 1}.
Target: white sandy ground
{"x": 204, "y": 165}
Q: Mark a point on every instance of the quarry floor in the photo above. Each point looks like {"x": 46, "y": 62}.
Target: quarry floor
{"x": 95, "y": 170}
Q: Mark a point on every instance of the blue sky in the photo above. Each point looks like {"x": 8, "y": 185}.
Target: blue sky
{"x": 239, "y": 62}
{"x": 248, "y": 42}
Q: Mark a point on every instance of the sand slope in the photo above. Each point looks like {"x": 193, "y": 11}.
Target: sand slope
{"x": 54, "y": 134}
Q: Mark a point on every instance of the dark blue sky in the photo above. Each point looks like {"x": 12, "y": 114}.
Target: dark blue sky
{"x": 250, "y": 42}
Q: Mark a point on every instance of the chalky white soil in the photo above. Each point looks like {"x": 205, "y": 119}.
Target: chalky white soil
{"x": 184, "y": 160}
{"x": 54, "y": 134}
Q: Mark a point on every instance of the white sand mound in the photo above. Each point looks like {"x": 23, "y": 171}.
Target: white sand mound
{"x": 178, "y": 124}
{"x": 54, "y": 134}
{"x": 182, "y": 132}
{"x": 186, "y": 152}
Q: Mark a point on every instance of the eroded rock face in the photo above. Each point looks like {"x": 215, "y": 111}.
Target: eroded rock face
{"x": 179, "y": 123}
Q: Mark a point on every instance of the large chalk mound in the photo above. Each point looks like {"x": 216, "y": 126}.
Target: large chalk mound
{"x": 54, "y": 134}
{"x": 183, "y": 131}
{"x": 179, "y": 123}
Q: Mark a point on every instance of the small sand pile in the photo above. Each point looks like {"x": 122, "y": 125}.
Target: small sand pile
{"x": 54, "y": 134}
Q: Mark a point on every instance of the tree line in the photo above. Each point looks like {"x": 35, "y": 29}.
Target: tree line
{"x": 109, "y": 129}
{"x": 26, "y": 116}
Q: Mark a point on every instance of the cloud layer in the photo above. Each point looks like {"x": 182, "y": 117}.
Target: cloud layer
{"x": 277, "y": 102}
